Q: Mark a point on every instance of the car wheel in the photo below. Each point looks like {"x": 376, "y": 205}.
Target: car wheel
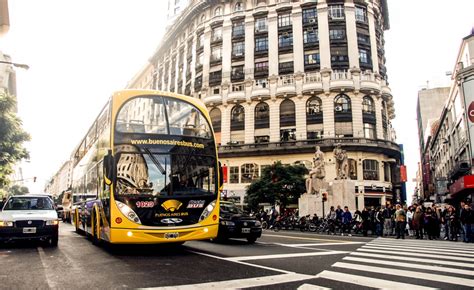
{"x": 251, "y": 240}
{"x": 54, "y": 240}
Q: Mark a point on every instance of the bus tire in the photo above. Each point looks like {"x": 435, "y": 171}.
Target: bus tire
{"x": 75, "y": 220}
{"x": 95, "y": 229}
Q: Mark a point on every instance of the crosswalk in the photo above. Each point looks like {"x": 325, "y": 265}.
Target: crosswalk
{"x": 417, "y": 264}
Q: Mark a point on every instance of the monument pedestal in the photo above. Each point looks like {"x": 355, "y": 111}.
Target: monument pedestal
{"x": 310, "y": 204}
{"x": 342, "y": 192}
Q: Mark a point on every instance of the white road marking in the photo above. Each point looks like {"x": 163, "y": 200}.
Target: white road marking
{"x": 285, "y": 256}
{"x": 303, "y": 238}
{"x": 320, "y": 244}
{"x": 242, "y": 263}
{"x": 419, "y": 250}
{"x": 431, "y": 261}
{"x": 436, "y": 249}
{"x": 411, "y": 265}
{"x": 416, "y": 255}
{"x": 47, "y": 273}
{"x": 312, "y": 287}
{"x": 424, "y": 243}
{"x": 367, "y": 281}
{"x": 407, "y": 274}
{"x": 243, "y": 283}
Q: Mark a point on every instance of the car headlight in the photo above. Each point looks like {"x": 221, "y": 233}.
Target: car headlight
{"x": 52, "y": 223}
{"x": 6, "y": 224}
{"x": 128, "y": 212}
{"x": 207, "y": 211}
{"x": 227, "y": 223}
{"x": 258, "y": 224}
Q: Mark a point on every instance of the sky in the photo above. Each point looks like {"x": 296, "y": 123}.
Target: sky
{"x": 80, "y": 51}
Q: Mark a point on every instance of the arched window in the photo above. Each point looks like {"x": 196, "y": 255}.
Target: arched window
{"x": 352, "y": 169}
{"x": 287, "y": 113}
{"x": 371, "y": 169}
{"x": 342, "y": 104}
{"x": 218, "y": 11}
{"x": 203, "y": 18}
{"x": 262, "y": 115}
{"x": 238, "y": 6}
{"x": 249, "y": 172}
{"x": 237, "y": 121}
{"x": 314, "y": 106}
{"x": 368, "y": 106}
{"x": 216, "y": 119}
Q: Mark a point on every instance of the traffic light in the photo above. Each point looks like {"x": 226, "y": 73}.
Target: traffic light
{"x": 34, "y": 179}
{"x": 325, "y": 196}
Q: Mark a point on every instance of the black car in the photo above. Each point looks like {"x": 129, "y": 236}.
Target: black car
{"x": 235, "y": 223}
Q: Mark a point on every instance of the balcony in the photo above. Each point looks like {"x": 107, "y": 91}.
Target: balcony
{"x": 236, "y": 97}
{"x": 286, "y": 85}
{"x": 313, "y": 83}
{"x": 369, "y": 83}
{"x": 341, "y": 80}
{"x": 392, "y": 150}
{"x": 260, "y": 90}
{"x": 212, "y": 100}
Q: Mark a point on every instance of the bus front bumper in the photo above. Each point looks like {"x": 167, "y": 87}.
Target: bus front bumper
{"x": 149, "y": 236}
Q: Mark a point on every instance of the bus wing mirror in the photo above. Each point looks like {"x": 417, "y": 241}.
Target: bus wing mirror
{"x": 109, "y": 168}
{"x": 221, "y": 175}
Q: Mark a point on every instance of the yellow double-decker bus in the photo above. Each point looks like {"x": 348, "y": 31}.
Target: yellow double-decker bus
{"x": 151, "y": 159}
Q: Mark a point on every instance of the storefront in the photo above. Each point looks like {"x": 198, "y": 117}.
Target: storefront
{"x": 462, "y": 189}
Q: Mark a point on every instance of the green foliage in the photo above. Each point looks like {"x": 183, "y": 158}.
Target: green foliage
{"x": 12, "y": 137}
{"x": 282, "y": 183}
{"x": 18, "y": 190}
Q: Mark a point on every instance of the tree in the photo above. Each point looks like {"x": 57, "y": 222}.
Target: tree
{"x": 282, "y": 183}
{"x": 12, "y": 137}
{"x": 18, "y": 190}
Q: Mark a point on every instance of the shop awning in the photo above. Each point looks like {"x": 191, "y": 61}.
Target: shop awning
{"x": 463, "y": 184}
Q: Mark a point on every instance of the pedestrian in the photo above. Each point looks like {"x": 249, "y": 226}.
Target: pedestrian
{"x": 430, "y": 223}
{"x": 346, "y": 221}
{"x": 418, "y": 218}
{"x": 387, "y": 224}
{"x": 365, "y": 221}
{"x": 467, "y": 220}
{"x": 379, "y": 222}
{"x": 410, "y": 221}
{"x": 339, "y": 213}
{"x": 400, "y": 219}
{"x": 451, "y": 223}
{"x": 357, "y": 221}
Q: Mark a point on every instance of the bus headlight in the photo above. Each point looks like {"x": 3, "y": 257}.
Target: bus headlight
{"x": 207, "y": 211}
{"x": 128, "y": 212}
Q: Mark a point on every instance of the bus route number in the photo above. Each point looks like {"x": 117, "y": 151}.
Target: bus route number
{"x": 145, "y": 204}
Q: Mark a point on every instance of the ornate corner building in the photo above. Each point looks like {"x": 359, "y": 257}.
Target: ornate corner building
{"x": 280, "y": 77}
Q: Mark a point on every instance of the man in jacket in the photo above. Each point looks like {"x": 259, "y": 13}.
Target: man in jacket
{"x": 467, "y": 220}
{"x": 346, "y": 218}
{"x": 400, "y": 219}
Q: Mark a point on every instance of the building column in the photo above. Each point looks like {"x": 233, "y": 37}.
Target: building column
{"x": 298, "y": 48}
{"x": 323, "y": 32}
{"x": 351, "y": 32}
{"x": 300, "y": 114}
{"x": 226, "y": 50}
{"x": 328, "y": 115}
{"x": 373, "y": 40}
{"x": 249, "y": 122}
{"x": 357, "y": 119}
{"x": 207, "y": 56}
{"x": 378, "y": 116}
{"x": 274, "y": 120}
{"x": 193, "y": 62}
{"x": 225, "y": 124}
{"x": 273, "y": 59}
{"x": 249, "y": 47}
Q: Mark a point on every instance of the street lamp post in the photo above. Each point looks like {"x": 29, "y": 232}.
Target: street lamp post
{"x": 20, "y": 65}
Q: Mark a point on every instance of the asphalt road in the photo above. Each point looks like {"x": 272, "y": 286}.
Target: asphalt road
{"x": 283, "y": 260}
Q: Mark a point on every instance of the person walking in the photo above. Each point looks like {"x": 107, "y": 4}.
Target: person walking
{"x": 410, "y": 221}
{"x": 346, "y": 221}
{"x": 418, "y": 218}
{"x": 387, "y": 223}
{"x": 467, "y": 220}
{"x": 451, "y": 224}
{"x": 379, "y": 222}
{"x": 331, "y": 217}
{"x": 430, "y": 223}
{"x": 365, "y": 221}
{"x": 400, "y": 219}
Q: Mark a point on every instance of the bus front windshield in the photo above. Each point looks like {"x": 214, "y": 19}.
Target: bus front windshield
{"x": 144, "y": 172}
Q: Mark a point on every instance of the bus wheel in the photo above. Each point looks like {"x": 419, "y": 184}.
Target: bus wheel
{"x": 95, "y": 230}
{"x": 75, "y": 220}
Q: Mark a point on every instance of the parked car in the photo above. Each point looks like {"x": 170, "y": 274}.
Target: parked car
{"x": 235, "y": 223}
{"x": 29, "y": 217}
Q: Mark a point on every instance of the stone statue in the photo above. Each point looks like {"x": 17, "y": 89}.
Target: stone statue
{"x": 316, "y": 175}
{"x": 342, "y": 163}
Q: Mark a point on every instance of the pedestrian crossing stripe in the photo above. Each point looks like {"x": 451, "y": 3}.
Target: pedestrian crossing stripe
{"x": 425, "y": 243}
{"x": 389, "y": 257}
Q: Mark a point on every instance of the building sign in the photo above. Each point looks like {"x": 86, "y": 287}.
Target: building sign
{"x": 468, "y": 93}
{"x": 224, "y": 173}
{"x": 464, "y": 182}
{"x": 403, "y": 173}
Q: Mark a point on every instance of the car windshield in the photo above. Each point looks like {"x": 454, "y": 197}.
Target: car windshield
{"x": 29, "y": 203}
{"x": 231, "y": 208}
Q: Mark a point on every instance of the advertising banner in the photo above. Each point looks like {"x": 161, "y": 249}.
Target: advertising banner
{"x": 468, "y": 92}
